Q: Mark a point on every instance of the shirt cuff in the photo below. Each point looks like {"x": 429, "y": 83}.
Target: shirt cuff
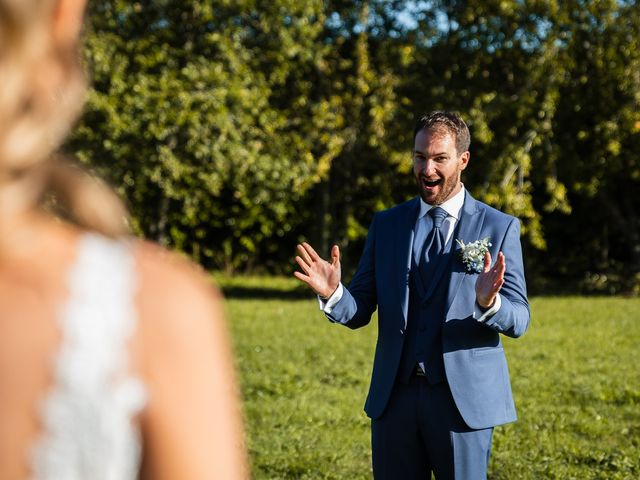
{"x": 327, "y": 304}
{"x": 482, "y": 315}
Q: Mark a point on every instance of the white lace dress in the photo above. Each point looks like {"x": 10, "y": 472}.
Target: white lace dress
{"x": 87, "y": 427}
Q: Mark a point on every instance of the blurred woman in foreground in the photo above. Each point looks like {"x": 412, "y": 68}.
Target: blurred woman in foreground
{"x": 114, "y": 359}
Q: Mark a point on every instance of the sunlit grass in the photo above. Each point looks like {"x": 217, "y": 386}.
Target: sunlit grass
{"x": 575, "y": 374}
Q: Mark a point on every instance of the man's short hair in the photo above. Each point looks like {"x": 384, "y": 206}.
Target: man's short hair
{"x": 446, "y": 122}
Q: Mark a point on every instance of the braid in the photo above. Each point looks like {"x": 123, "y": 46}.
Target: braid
{"x": 41, "y": 96}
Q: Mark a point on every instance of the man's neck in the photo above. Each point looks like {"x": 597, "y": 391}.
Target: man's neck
{"x": 452, "y": 205}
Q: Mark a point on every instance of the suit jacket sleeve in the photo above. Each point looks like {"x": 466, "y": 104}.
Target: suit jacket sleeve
{"x": 359, "y": 300}
{"x": 512, "y": 319}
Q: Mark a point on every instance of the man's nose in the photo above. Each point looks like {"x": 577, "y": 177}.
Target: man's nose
{"x": 428, "y": 168}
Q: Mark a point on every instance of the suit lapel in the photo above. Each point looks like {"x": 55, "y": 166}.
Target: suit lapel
{"x": 402, "y": 247}
{"x": 468, "y": 230}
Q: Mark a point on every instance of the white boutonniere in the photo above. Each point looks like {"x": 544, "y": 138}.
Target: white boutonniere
{"x": 472, "y": 254}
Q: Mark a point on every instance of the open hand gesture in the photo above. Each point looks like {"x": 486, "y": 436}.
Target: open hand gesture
{"x": 323, "y": 277}
{"x": 490, "y": 281}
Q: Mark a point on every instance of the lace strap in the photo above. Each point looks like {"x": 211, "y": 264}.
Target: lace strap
{"x": 87, "y": 429}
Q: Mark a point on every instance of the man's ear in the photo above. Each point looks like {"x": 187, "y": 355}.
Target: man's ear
{"x": 67, "y": 21}
{"x": 464, "y": 160}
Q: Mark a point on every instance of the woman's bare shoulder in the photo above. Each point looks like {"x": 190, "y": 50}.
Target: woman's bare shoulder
{"x": 167, "y": 277}
{"x": 186, "y": 361}
{"x": 178, "y": 303}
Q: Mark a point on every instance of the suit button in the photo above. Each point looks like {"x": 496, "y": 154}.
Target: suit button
{"x": 401, "y": 332}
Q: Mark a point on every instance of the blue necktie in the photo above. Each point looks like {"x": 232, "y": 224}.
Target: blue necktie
{"x": 433, "y": 245}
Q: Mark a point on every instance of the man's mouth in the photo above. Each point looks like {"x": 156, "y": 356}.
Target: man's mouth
{"x": 430, "y": 183}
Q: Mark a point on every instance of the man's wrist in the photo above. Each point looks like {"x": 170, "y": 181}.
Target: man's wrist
{"x": 326, "y": 305}
{"x": 330, "y": 295}
{"x": 482, "y": 314}
{"x": 486, "y": 305}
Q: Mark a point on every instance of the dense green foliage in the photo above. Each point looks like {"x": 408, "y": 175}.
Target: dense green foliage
{"x": 575, "y": 378}
{"x": 234, "y": 129}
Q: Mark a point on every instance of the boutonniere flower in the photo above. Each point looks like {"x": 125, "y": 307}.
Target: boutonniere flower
{"x": 472, "y": 254}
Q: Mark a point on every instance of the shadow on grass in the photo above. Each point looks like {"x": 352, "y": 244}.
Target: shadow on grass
{"x": 265, "y": 293}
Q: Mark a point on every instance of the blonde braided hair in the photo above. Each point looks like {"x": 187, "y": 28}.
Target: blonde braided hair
{"x": 42, "y": 89}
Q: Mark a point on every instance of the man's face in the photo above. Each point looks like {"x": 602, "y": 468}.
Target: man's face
{"x": 437, "y": 166}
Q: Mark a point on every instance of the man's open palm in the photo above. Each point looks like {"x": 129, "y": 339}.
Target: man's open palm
{"x": 323, "y": 277}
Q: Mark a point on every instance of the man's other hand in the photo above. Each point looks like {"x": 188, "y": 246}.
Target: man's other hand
{"x": 490, "y": 281}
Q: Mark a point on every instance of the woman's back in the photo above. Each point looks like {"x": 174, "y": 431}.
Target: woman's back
{"x": 106, "y": 345}
{"x": 32, "y": 288}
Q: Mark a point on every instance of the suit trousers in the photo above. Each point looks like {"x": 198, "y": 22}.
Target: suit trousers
{"x": 421, "y": 431}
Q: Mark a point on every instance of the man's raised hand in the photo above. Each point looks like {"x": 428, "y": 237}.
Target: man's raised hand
{"x": 490, "y": 281}
{"x": 323, "y": 277}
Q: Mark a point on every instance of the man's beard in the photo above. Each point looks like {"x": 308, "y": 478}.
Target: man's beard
{"x": 445, "y": 189}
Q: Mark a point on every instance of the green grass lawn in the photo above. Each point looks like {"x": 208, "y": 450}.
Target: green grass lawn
{"x": 575, "y": 375}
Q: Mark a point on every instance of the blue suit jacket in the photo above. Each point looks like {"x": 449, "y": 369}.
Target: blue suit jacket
{"x": 474, "y": 361}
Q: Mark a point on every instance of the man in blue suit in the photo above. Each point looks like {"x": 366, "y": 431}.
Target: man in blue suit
{"x": 440, "y": 381}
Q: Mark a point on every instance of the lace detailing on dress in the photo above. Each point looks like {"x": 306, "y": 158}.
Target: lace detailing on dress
{"x": 87, "y": 429}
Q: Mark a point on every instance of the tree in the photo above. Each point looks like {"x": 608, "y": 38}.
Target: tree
{"x": 195, "y": 115}
{"x": 236, "y": 129}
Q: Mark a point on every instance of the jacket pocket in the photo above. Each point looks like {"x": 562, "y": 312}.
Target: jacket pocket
{"x": 481, "y": 352}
